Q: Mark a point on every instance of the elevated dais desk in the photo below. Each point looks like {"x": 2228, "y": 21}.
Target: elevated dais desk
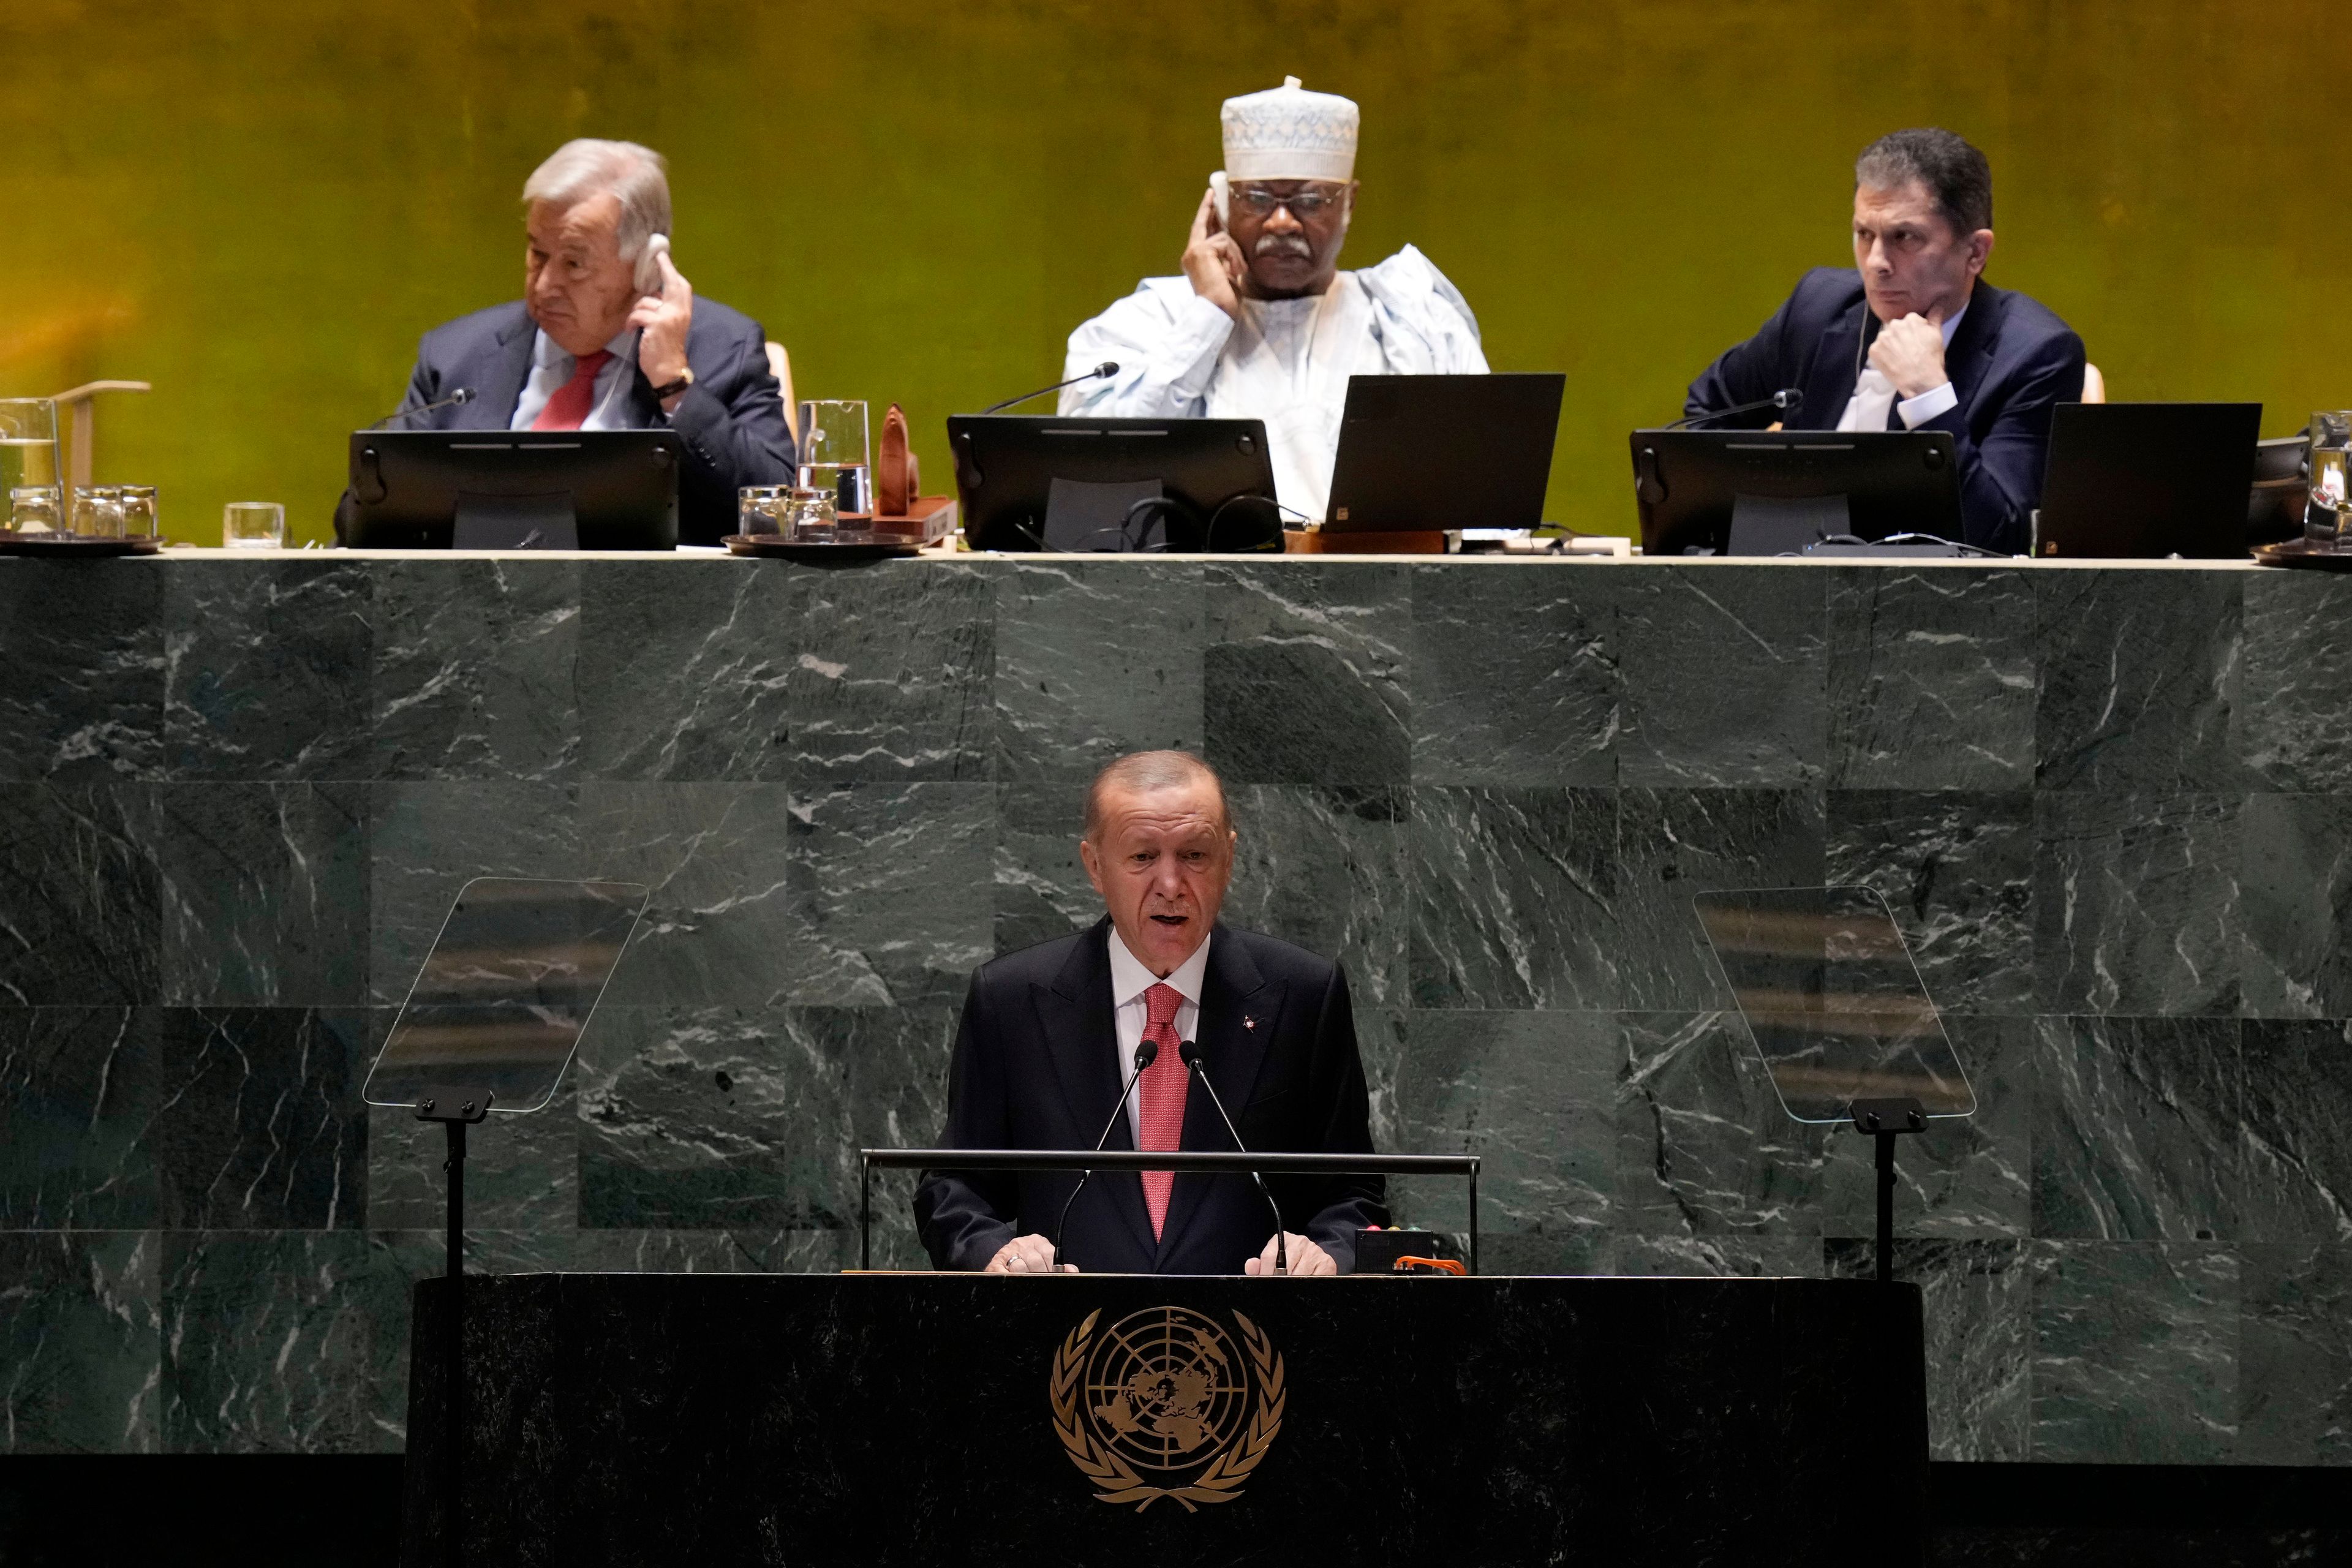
{"x": 725, "y": 1420}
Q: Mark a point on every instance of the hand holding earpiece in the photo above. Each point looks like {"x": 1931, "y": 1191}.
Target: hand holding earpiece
{"x": 664, "y": 317}
{"x": 1213, "y": 261}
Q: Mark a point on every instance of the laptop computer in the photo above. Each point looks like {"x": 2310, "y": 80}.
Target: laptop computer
{"x": 2144, "y": 480}
{"x": 1420, "y": 452}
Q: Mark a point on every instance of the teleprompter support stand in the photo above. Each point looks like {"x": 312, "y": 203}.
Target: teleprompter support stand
{"x": 455, "y": 1110}
{"x": 1886, "y": 1120}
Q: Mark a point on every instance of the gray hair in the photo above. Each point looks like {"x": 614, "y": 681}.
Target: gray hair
{"x": 638, "y": 177}
{"x": 1140, "y": 772}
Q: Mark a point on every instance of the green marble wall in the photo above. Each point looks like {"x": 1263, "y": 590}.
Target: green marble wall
{"x": 259, "y": 206}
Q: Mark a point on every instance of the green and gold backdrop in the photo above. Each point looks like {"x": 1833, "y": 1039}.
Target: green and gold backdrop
{"x": 259, "y": 206}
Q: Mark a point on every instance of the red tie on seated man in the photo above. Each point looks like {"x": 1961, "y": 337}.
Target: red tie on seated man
{"x": 568, "y": 409}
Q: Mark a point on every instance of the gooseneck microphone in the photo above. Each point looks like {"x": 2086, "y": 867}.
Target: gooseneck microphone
{"x": 1108, "y": 368}
{"x": 1789, "y": 400}
{"x": 462, "y": 396}
{"x": 1145, "y": 1055}
{"x": 1191, "y": 1054}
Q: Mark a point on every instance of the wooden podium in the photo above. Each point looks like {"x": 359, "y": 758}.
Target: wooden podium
{"x": 917, "y": 1418}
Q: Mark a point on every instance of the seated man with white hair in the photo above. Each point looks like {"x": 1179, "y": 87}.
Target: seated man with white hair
{"x": 586, "y": 349}
{"x": 1262, "y": 324}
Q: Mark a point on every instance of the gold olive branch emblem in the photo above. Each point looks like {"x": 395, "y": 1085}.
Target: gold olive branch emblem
{"x": 1104, "y": 1466}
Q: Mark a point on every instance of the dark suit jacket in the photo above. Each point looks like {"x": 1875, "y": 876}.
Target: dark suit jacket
{"x": 1036, "y": 1067}
{"x": 731, "y": 419}
{"x": 2010, "y": 361}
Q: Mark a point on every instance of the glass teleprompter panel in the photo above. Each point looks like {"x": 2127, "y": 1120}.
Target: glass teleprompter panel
{"x": 507, "y": 991}
{"x": 1833, "y": 1000}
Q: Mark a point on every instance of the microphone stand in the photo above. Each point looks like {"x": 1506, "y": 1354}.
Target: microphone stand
{"x": 1145, "y": 1055}
{"x": 1789, "y": 400}
{"x": 1192, "y": 1054}
{"x": 462, "y": 396}
{"x": 1109, "y": 367}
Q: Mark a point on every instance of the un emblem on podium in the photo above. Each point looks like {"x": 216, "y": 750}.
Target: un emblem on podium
{"x": 1164, "y": 1403}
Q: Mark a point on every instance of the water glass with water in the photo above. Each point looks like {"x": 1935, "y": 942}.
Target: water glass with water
{"x": 28, "y": 444}
{"x": 834, "y": 455}
{"x": 253, "y": 525}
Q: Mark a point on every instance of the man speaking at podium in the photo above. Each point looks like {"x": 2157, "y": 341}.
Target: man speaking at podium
{"x": 1050, "y": 1033}
{"x": 609, "y": 336}
{"x": 1913, "y": 339}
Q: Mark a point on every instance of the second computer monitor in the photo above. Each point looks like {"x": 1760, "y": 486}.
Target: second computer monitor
{"x": 1787, "y": 488}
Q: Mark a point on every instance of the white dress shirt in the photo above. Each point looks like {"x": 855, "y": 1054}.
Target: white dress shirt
{"x": 1873, "y": 394}
{"x": 551, "y": 368}
{"x": 1129, "y": 980}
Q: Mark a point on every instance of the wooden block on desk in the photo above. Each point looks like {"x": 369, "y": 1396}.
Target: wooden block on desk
{"x": 1325, "y": 541}
{"x": 928, "y": 518}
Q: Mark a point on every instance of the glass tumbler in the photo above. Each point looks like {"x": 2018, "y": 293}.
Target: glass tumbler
{"x": 834, "y": 455}
{"x": 97, "y": 511}
{"x": 137, "y": 510}
{"x": 810, "y": 516}
{"x": 253, "y": 525}
{"x": 759, "y": 509}
{"x": 33, "y": 509}
{"x": 2327, "y": 517}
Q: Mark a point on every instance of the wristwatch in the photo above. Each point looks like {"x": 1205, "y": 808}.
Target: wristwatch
{"x": 668, "y": 390}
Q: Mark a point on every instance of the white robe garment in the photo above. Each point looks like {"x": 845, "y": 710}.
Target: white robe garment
{"x": 1286, "y": 361}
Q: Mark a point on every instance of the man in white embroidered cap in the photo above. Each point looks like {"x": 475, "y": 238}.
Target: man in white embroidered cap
{"x": 1262, "y": 324}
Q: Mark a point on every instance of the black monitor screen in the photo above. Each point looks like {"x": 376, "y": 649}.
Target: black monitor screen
{"x": 1789, "y": 488}
{"x": 1187, "y": 485}
{"x": 495, "y": 489}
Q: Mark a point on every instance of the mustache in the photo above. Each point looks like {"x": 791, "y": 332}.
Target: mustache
{"x": 1282, "y": 245}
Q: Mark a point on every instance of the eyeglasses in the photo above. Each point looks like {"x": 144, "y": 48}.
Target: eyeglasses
{"x": 1307, "y": 201}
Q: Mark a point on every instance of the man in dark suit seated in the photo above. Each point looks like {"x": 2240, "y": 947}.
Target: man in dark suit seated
{"x": 587, "y": 348}
{"x": 1913, "y": 339}
{"x": 1051, "y": 1033}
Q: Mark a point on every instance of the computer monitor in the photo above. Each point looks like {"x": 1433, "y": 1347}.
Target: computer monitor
{"x": 1420, "y": 452}
{"x": 2144, "y": 480}
{"x": 523, "y": 490}
{"x": 1772, "y": 492}
{"x": 1115, "y": 484}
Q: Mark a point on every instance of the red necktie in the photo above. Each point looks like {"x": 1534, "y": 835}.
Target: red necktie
{"x": 569, "y": 406}
{"x": 1165, "y": 1083}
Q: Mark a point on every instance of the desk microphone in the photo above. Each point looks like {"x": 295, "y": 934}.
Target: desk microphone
{"x": 463, "y": 394}
{"x": 1789, "y": 400}
{"x": 1145, "y": 1055}
{"x": 1190, "y": 1053}
{"x": 1109, "y": 367}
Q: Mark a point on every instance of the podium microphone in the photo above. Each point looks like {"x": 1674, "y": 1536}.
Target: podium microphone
{"x": 1789, "y": 400}
{"x": 1145, "y": 1055}
{"x": 462, "y": 396}
{"x": 1191, "y": 1054}
{"x": 1109, "y": 367}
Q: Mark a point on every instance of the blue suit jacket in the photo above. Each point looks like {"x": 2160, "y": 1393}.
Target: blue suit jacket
{"x": 1036, "y": 1067}
{"x": 2010, "y": 361}
{"x": 731, "y": 420}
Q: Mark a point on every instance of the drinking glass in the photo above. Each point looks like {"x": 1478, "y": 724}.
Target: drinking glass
{"x": 810, "y": 516}
{"x": 759, "y": 509}
{"x": 253, "y": 525}
{"x": 33, "y": 509}
{"x": 28, "y": 443}
{"x": 834, "y": 455}
{"x": 97, "y": 511}
{"x": 2326, "y": 519}
{"x": 137, "y": 510}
